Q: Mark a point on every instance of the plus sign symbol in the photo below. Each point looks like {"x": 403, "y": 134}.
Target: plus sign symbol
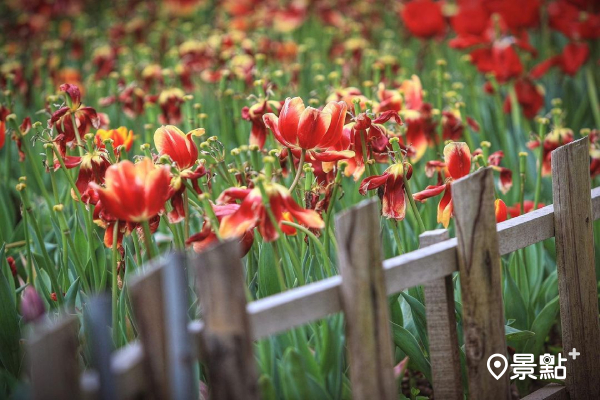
{"x": 574, "y": 353}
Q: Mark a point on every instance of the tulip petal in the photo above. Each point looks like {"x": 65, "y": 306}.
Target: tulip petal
{"x": 312, "y": 127}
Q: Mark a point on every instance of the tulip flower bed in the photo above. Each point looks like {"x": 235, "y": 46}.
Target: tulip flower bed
{"x": 129, "y": 131}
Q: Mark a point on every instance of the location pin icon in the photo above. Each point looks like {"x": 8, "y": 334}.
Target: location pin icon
{"x": 500, "y": 364}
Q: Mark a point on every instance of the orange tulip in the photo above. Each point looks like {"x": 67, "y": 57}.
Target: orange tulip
{"x": 120, "y": 136}
{"x": 134, "y": 192}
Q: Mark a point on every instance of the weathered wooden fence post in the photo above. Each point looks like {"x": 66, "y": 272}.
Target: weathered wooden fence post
{"x": 153, "y": 316}
{"x": 577, "y": 283}
{"x": 97, "y": 321}
{"x": 53, "y": 356}
{"x": 226, "y": 343}
{"x": 179, "y": 345}
{"x": 148, "y": 299}
{"x": 480, "y": 281}
{"x": 441, "y": 328}
{"x": 364, "y": 303}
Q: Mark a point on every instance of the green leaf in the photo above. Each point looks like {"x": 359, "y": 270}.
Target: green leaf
{"x": 516, "y": 335}
{"x": 541, "y": 326}
{"x": 10, "y": 334}
{"x": 418, "y": 313}
{"x": 267, "y": 276}
{"x": 267, "y": 389}
{"x": 409, "y": 345}
{"x": 514, "y": 306}
{"x": 295, "y": 381}
{"x": 71, "y": 295}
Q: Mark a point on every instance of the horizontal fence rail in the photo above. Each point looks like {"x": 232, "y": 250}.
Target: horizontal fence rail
{"x": 283, "y": 311}
{"x": 167, "y": 344}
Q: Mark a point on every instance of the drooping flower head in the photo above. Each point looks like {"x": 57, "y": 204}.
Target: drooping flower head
{"x": 253, "y": 213}
{"x": 85, "y": 117}
{"x": 457, "y": 163}
{"x": 180, "y": 147}
{"x": 391, "y": 185}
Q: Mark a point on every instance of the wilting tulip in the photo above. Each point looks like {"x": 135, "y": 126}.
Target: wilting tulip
{"x": 529, "y": 96}
{"x": 203, "y": 239}
{"x": 558, "y": 137}
{"x": 134, "y": 192}
{"x": 92, "y": 169}
{"x": 120, "y": 136}
{"x": 393, "y": 194}
{"x": 308, "y": 129}
{"x": 171, "y": 141}
{"x": 501, "y": 210}
{"x": 180, "y": 147}
{"x": 170, "y": 101}
{"x": 253, "y": 213}
{"x": 254, "y": 114}
{"x": 457, "y": 159}
{"x": 85, "y": 117}
{"x": 572, "y": 58}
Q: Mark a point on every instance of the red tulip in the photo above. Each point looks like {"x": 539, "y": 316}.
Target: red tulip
{"x": 4, "y": 112}
{"x": 180, "y": 147}
{"x": 309, "y": 129}
{"x": 85, "y": 117}
{"x": 252, "y": 213}
{"x": 457, "y": 159}
{"x": 424, "y": 18}
{"x": 501, "y": 211}
{"x": 529, "y": 96}
{"x": 206, "y": 237}
{"x": 135, "y": 192}
{"x": 254, "y": 114}
{"x": 394, "y": 195}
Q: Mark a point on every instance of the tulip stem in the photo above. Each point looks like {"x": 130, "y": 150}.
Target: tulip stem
{"x": 114, "y": 295}
{"x": 538, "y": 182}
{"x": 77, "y": 135}
{"x": 299, "y": 170}
{"x": 317, "y": 242}
{"x": 148, "y": 240}
{"x": 394, "y": 223}
{"x": 593, "y": 94}
{"x": 413, "y": 205}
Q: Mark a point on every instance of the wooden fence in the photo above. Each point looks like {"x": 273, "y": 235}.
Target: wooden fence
{"x": 160, "y": 364}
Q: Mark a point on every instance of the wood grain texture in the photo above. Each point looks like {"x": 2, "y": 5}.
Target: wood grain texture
{"x": 53, "y": 359}
{"x": 577, "y": 283}
{"x": 552, "y": 391}
{"x": 226, "y": 344}
{"x": 364, "y": 303}
{"x": 147, "y": 299}
{"x": 441, "y": 328}
{"x": 480, "y": 280}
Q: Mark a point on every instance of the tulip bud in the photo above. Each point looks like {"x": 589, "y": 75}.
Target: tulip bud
{"x": 32, "y": 306}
